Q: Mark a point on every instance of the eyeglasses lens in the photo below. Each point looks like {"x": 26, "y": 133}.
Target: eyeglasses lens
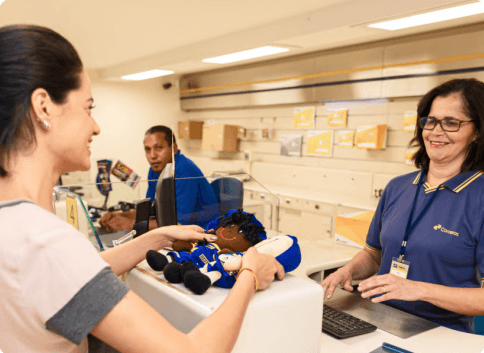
{"x": 445, "y": 124}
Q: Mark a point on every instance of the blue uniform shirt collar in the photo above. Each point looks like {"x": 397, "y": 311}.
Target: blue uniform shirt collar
{"x": 456, "y": 184}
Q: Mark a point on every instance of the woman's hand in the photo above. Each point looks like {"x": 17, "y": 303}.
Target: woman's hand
{"x": 392, "y": 287}
{"x": 169, "y": 234}
{"x": 341, "y": 276}
{"x": 265, "y": 267}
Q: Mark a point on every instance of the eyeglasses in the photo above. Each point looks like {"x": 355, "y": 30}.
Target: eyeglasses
{"x": 447, "y": 124}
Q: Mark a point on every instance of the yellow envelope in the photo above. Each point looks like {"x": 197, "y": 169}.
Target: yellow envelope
{"x": 410, "y": 121}
{"x": 320, "y": 143}
{"x": 338, "y": 119}
{"x": 408, "y": 157}
{"x": 346, "y": 138}
{"x": 304, "y": 117}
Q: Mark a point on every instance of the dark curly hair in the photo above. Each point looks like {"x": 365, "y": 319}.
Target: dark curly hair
{"x": 246, "y": 224}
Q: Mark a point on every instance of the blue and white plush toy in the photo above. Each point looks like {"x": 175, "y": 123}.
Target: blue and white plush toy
{"x": 199, "y": 265}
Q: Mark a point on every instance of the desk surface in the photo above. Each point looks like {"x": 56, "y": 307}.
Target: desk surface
{"x": 326, "y": 254}
{"x": 323, "y": 255}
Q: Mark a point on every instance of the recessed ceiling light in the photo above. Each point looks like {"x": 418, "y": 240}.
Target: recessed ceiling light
{"x": 432, "y": 17}
{"x": 147, "y": 74}
{"x": 246, "y": 54}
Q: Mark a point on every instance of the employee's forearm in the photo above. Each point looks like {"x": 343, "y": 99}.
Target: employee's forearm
{"x": 229, "y": 316}
{"x": 124, "y": 257}
{"x": 362, "y": 265}
{"x": 465, "y": 301}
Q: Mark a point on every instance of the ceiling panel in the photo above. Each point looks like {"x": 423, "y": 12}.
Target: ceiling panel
{"x": 119, "y": 37}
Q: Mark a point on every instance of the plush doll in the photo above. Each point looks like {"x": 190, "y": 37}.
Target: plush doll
{"x": 199, "y": 265}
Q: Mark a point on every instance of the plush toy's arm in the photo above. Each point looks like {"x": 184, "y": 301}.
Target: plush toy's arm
{"x": 182, "y": 245}
{"x": 273, "y": 246}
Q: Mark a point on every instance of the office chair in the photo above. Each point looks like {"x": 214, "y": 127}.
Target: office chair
{"x": 229, "y": 193}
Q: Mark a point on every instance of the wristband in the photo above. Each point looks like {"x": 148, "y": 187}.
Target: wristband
{"x": 255, "y": 277}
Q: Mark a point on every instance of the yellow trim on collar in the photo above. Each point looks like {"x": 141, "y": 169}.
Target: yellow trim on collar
{"x": 415, "y": 182}
{"x": 429, "y": 189}
{"x": 467, "y": 182}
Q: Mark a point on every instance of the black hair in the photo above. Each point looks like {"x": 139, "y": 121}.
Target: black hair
{"x": 472, "y": 94}
{"x": 246, "y": 224}
{"x": 31, "y": 57}
{"x": 164, "y": 129}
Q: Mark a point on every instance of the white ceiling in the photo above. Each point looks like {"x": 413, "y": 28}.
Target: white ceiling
{"x": 120, "y": 37}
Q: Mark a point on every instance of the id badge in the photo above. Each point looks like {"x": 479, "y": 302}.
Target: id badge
{"x": 400, "y": 268}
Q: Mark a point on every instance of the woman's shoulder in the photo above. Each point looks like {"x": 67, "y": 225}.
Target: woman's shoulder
{"x": 28, "y": 224}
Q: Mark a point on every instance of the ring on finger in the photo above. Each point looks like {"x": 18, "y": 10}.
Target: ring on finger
{"x": 383, "y": 290}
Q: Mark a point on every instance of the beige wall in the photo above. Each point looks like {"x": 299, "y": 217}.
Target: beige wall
{"x": 346, "y": 181}
{"x": 124, "y": 111}
{"x": 312, "y": 190}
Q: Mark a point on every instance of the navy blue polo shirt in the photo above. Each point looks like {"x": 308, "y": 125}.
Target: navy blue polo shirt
{"x": 196, "y": 202}
{"x": 446, "y": 246}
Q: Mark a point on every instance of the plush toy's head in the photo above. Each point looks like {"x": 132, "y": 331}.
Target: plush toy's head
{"x": 237, "y": 230}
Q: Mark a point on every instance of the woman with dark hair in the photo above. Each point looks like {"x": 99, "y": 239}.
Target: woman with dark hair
{"x": 426, "y": 239}
{"x": 55, "y": 288}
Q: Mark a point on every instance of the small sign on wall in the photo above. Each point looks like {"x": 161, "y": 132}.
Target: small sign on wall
{"x": 409, "y": 153}
{"x": 304, "y": 117}
{"x": 410, "y": 121}
{"x": 320, "y": 143}
{"x": 346, "y": 138}
{"x": 71, "y": 208}
{"x": 291, "y": 145}
{"x": 338, "y": 118}
{"x": 371, "y": 137}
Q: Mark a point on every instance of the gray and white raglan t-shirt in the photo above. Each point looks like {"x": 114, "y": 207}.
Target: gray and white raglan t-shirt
{"x": 54, "y": 286}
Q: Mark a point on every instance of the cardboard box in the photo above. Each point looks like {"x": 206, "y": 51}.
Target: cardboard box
{"x": 190, "y": 130}
{"x": 351, "y": 229}
{"x": 371, "y": 137}
{"x": 220, "y": 138}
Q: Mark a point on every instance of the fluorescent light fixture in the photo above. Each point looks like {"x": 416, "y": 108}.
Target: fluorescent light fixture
{"x": 432, "y": 17}
{"x": 245, "y": 55}
{"x": 147, "y": 74}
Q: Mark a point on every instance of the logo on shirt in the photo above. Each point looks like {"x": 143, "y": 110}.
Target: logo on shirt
{"x": 442, "y": 229}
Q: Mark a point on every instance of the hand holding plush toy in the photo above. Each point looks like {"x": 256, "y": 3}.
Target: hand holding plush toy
{"x": 200, "y": 265}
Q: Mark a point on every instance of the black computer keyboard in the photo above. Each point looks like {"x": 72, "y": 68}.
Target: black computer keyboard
{"x": 343, "y": 325}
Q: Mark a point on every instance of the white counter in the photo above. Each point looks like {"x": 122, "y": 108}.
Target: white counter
{"x": 324, "y": 255}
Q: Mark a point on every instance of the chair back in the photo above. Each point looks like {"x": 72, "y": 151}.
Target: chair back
{"x": 229, "y": 193}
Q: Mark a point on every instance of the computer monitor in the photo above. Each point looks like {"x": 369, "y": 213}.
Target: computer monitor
{"x": 165, "y": 197}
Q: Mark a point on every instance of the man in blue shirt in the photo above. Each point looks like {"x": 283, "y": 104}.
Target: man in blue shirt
{"x": 195, "y": 200}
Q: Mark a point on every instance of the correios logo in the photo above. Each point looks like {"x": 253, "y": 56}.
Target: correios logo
{"x": 442, "y": 229}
